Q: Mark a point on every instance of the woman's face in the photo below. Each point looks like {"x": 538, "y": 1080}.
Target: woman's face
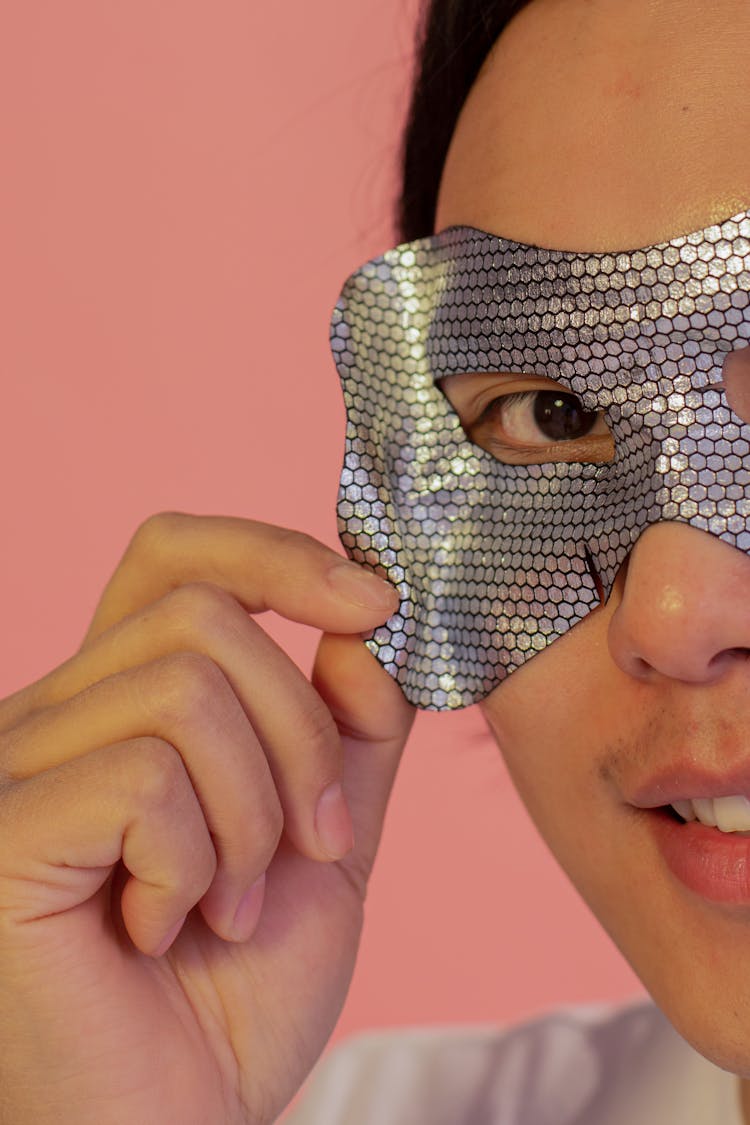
{"x": 599, "y": 126}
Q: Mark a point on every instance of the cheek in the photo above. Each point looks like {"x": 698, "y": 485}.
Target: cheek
{"x": 554, "y": 719}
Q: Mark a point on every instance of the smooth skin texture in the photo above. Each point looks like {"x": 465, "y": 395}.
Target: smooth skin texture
{"x": 173, "y": 765}
{"x": 178, "y": 756}
{"x": 601, "y": 126}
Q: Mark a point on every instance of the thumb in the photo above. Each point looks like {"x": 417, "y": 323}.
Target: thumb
{"x": 374, "y": 720}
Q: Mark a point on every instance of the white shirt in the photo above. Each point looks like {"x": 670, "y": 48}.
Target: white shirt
{"x": 595, "y": 1064}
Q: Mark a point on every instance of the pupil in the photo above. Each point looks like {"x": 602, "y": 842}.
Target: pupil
{"x": 561, "y": 417}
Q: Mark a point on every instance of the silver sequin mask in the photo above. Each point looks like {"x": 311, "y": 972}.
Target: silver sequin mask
{"x": 495, "y": 561}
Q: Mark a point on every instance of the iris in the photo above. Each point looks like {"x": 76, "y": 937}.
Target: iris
{"x": 561, "y": 417}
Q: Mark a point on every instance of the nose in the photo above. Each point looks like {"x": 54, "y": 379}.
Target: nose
{"x": 684, "y": 606}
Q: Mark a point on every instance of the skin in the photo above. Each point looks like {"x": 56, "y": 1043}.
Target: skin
{"x": 651, "y": 109}
{"x": 148, "y": 783}
{"x": 178, "y": 758}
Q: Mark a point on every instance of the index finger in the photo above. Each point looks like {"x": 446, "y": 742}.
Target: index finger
{"x": 263, "y": 566}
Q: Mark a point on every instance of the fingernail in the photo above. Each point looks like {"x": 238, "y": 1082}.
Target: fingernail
{"x": 362, "y": 588}
{"x": 167, "y": 941}
{"x": 333, "y": 823}
{"x": 248, "y": 911}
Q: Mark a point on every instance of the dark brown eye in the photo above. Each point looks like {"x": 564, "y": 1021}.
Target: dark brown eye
{"x": 561, "y": 417}
{"x": 531, "y": 424}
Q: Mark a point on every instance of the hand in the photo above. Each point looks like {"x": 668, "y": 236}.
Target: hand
{"x": 170, "y": 768}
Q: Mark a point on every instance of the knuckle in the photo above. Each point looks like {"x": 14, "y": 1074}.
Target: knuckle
{"x": 156, "y": 771}
{"x": 320, "y": 731}
{"x": 288, "y": 539}
{"x": 202, "y": 863}
{"x": 154, "y": 532}
{"x": 157, "y": 776}
{"x": 199, "y": 609}
{"x": 269, "y": 828}
{"x": 260, "y": 840}
{"x": 203, "y": 867}
{"x": 189, "y": 684}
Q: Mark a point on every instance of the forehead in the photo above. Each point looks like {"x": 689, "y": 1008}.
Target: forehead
{"x": 651, "y": 108}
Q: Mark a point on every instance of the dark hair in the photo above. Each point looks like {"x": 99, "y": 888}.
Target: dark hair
{"x": 453, "y": 40}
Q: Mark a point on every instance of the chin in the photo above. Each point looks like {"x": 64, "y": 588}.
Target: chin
{"x": 722, "y": 1037}
{"x": 694, "y": 960}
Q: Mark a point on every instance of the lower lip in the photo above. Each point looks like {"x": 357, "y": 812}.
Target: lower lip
{"x": 711, "y": 863}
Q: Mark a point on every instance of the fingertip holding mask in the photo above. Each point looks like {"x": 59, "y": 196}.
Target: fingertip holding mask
{"x": 495, "y": 560}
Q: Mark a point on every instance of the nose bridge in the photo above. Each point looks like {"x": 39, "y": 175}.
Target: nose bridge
{"x": 683, "y": 468}
{"x": 683, "y": 457}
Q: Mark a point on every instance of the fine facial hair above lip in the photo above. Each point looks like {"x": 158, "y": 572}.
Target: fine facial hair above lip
{"x": 703, "y": 735}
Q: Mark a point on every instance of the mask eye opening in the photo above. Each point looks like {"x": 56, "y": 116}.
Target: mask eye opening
{"x": 736, "y": 380}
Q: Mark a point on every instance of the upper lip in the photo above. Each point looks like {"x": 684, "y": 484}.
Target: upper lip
{"x": 681, "y": 782}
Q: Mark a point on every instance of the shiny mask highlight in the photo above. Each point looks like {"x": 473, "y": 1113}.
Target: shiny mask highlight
{"x": 492, "y": 561}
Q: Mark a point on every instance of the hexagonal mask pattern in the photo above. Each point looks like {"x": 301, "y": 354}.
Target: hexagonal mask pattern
{"x": 494, "y": 561}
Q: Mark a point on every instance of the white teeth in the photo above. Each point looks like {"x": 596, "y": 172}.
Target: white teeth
{"x": 685, "y": 809}
{"x": 728, "y": 814}
{"x": 732, "y": 814}
{"x": 704, "y": 810}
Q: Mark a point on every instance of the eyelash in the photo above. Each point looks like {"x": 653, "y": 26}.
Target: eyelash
{"x": 575, "y": 447}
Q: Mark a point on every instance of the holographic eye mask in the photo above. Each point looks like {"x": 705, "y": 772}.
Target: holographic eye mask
{"x": 495, "y": 561}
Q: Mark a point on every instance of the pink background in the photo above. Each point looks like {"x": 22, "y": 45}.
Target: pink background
{"x": 185, "y": 186}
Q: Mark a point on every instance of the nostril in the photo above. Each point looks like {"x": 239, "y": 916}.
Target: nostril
{"x": 640, "y": 668}
{"x": 721, "y": 658}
